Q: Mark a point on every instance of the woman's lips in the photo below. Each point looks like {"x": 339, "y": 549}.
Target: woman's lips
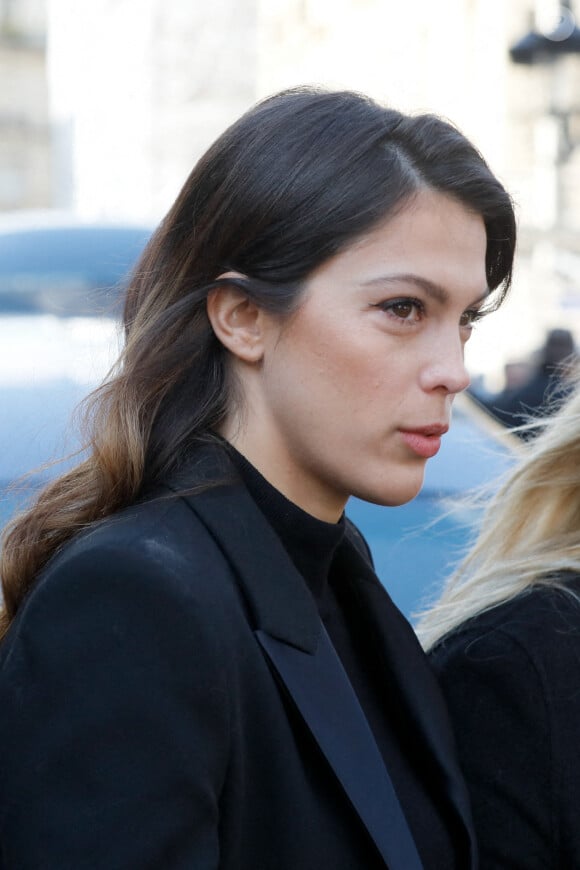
{"x": 424, "y": 442}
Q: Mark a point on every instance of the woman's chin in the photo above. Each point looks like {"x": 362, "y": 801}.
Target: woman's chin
{"x": 391, "y": 496}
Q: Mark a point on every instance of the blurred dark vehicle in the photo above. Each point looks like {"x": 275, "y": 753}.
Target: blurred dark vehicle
{"x": 54, "y": 264}
{"x": 61, "y": 285}
{"x": 543, "y": 389}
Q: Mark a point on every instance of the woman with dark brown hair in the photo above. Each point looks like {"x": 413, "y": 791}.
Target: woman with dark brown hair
{"x": 199, "y": 667}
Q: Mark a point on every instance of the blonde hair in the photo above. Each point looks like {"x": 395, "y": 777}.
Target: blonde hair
{"x": 529, "y": 532}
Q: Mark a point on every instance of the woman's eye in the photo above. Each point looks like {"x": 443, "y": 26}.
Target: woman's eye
{"x": 404, "y": 309}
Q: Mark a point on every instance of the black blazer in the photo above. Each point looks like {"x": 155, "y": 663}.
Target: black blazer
{"x": 170, "y": 699}
{"x": 511, "y": 676}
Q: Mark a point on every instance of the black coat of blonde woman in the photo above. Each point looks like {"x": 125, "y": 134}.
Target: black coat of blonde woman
{"x": 199, "y": 668}
{"x": 504, "y": 640}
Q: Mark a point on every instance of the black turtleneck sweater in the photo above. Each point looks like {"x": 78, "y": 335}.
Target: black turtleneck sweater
{"x": 313, "y": 546}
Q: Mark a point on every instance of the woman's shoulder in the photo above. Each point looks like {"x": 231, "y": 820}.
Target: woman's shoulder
{"x": 156, "y": 556}
{"x": 536, "y": 634}
{"x": 553, "y": 605}
{"x": 153, "y": 534}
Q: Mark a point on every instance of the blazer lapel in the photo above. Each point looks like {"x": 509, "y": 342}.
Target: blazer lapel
{"x": 291, "y": 634}
{"x": 323, "y": 694}
{"x": 403, "y": 661}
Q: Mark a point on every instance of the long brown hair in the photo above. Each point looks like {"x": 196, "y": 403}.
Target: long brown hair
{"x": 291, "y": 183}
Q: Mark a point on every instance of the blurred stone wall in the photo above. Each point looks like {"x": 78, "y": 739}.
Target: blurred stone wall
{"x": 154, "y": 82}
{"x": 542, "y": 170}
{"x": 25, "y": 142}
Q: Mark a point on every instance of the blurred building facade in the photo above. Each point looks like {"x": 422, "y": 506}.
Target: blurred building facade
{"x": 25, "y": 140}
{"x": 152, "y": 83}
{"x": 139, "y": 88}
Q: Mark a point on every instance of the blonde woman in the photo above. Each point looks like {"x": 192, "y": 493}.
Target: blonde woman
{"x": 504, "y": 639}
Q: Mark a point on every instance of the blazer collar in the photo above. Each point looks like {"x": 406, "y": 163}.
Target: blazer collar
{"x": 278, "y": 599}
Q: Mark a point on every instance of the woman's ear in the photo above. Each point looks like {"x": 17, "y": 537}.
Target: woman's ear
{"x": 236, "y": 320}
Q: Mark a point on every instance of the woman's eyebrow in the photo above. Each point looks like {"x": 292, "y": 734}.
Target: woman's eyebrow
{"x": 431, "y": 288}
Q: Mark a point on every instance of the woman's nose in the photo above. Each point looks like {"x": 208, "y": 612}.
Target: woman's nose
{"x": 446, "y": 370}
